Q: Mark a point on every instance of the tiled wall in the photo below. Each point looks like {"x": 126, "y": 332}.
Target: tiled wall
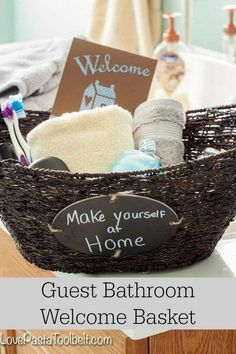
{"x": 35, "y": 19}
{"x": 31, "y": 19}
{"x": 6, "y": 21}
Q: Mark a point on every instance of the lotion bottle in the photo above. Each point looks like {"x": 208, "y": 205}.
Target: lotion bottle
{"x": 229, "y": 36}
{"x": 171, "y": 67}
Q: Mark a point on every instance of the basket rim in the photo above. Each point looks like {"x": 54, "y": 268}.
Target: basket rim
{"x": 208, "y": 109}
{"x": 228, "y": 106}
{"x": 189, "y": 165}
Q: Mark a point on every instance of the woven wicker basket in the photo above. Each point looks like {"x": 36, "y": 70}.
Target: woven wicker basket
{"x": 202, "y": 192}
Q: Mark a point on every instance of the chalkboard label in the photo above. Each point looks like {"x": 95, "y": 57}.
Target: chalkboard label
{"x": 118, "y": 225}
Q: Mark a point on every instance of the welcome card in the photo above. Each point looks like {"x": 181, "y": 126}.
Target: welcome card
{"x": 96, "y": 76}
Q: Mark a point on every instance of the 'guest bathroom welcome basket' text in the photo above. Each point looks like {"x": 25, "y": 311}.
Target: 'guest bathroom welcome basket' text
{"x": 201, "y": 192}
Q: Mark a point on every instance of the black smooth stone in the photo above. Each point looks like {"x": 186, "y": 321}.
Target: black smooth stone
{"x": 50, "y": 163}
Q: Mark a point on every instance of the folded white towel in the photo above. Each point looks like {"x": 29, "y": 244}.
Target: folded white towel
{"x": 87, "y": 141}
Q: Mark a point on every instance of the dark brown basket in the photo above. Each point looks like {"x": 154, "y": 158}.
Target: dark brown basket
{"x": 202, "y": 192}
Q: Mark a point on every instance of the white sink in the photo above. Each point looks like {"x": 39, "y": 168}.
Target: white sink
{"x": 211, "y": 81}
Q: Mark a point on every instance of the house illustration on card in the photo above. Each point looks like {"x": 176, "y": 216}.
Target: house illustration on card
{"x": 96, "y": 95}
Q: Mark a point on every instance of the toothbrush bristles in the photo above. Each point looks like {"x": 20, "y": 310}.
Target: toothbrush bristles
{"x": 7, "y": 112}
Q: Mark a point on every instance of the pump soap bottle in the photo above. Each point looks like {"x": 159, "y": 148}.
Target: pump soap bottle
{"x": 171, "y": 67}
{"x": 229, "y": 37}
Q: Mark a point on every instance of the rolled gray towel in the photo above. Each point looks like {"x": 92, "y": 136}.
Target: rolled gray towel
{"x": 162, "y": 120}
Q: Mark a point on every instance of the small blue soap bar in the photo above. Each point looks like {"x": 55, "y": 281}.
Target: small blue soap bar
{"x": 135, "y": 160}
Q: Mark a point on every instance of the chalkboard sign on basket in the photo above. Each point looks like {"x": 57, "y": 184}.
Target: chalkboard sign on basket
{"x": 115, "y": 226}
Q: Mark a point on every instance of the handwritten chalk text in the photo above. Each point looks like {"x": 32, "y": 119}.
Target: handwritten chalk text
{"x": 111, "y": 244}
{"x": 97, "y": 63}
